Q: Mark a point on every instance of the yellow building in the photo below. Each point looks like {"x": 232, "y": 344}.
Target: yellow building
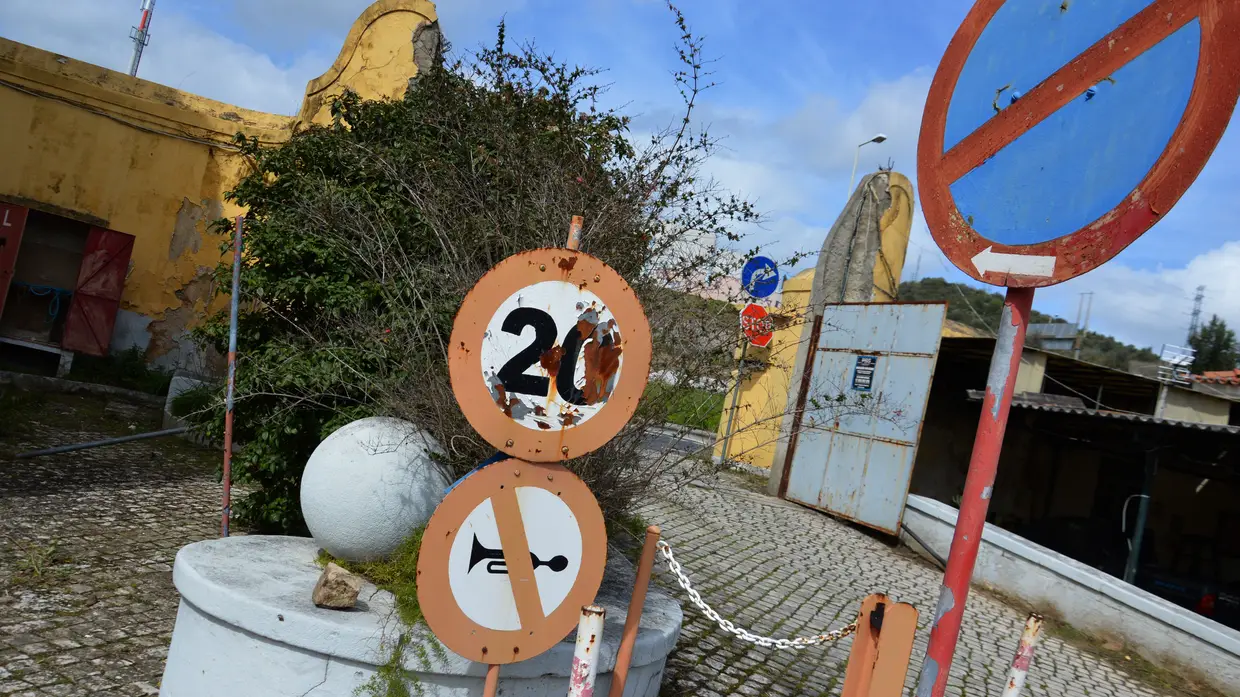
{"x": 763, "y": 399}
{"x": 110, "y": 182}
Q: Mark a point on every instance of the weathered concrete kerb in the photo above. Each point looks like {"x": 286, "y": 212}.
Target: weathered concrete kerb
{"x": 247, "y": 628}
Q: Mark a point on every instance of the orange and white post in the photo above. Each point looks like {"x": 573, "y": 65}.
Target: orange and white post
{"x": 1024, "y": 656}
{"x": 585, "y": 655}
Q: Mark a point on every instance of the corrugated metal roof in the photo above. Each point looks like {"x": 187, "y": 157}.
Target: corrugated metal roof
{"x": 1054, "y": 330}
{"x": 976, "y": 395}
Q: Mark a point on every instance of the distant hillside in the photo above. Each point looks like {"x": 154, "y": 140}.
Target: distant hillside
{"x": 981, "y": 309}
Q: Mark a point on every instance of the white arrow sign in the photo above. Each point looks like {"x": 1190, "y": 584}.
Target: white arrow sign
{"x": 1016, "y": 264}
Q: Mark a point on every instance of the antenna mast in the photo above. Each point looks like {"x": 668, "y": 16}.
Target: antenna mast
{"x": 141, "y": 35}
{"x": 1195, "y": 323}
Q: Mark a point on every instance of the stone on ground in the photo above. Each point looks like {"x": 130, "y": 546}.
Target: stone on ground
{"x": 337, "y": 588}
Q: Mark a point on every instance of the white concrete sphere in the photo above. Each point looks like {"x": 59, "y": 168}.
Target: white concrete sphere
{"x": 368, "y": 485}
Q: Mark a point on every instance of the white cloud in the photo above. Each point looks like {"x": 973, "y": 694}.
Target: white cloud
{"x": 796, "y": 166}
{"x": 825, "y": 137}
{"x": 182, "y": 53}
{"x": 1150, "y": 307}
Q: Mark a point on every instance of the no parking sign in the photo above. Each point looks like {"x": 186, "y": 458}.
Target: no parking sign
{"x": 1112, "y": 109}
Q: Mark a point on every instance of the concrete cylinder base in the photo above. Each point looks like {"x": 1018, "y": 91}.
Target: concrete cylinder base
{"x": 246, "y": 628}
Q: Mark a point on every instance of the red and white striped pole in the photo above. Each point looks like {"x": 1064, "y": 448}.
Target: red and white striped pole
{"x": 1024, "y": 656}
{"x": 226, "y": 508}
{"x": 141, "y": 35}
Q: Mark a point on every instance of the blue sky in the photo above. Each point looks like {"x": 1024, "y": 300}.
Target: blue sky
{"x": 801, "y": 83}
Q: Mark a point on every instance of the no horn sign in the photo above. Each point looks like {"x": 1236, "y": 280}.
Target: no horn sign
{"x": 509, "y": 558}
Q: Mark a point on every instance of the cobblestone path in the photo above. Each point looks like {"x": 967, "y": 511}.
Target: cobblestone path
{"x": 87, "y": 541}
{"x": 87, "y": 605}
{"x": 782, "y": 570}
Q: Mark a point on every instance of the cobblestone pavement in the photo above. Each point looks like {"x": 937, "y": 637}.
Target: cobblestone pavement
{"x": 87, "y": 541}
{"x": 782, "y": 570}
{"x": 87, "y": 605}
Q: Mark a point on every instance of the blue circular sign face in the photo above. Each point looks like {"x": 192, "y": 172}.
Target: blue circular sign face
{"x": 1056, "y": 133}
{"x": 760, "y": 277}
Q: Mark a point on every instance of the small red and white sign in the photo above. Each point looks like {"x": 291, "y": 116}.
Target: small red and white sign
{"x": 757, "y": 325}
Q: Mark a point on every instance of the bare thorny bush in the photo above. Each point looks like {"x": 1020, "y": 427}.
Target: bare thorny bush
{"x": 364, "y": 236}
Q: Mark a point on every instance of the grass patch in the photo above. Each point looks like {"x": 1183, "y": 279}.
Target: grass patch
{"x": 16, "y": 407}
{"x": 398, "y": 574}
{"x": 749, "y": 481}
{"x": 38, "y": 564}
{"x": 688, "y": 406}
{"x": 194, "y": 400}
{"x": 630, "y": 525}
{"x": 127, "y": 369}
{"x": 1182, "y": 681}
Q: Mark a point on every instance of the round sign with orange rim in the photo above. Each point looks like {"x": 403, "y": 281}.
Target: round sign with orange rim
{"x": 508, "y": 559}
{"x": 549, "y": 354}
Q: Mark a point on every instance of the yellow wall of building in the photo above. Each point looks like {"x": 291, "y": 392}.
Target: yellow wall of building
{"x": 377, "y": 58}
{"x": 764, "y": 395}
{"x": 1187, "y": 405}
{"x": 101, "y": 147}
{"x": 1031, "y": 373}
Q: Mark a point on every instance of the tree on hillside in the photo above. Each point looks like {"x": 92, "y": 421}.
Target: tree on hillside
{"x": 1215, "y": 345}
{"x": 981, "y": 310}
{"x": 974, "y": 307}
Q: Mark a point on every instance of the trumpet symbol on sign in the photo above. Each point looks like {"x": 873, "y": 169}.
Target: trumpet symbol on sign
{"x": 497, "y": 566}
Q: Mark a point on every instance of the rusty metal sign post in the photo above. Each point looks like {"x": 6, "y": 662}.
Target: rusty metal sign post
{"x": 549, "y": 355}
{"x": 1053, "y": 136}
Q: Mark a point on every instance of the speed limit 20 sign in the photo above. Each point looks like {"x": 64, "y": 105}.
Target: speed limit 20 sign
{"x": 549, "y": 354}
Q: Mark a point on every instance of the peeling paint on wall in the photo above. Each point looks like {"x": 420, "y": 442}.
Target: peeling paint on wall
{"x": 192, "y": 221}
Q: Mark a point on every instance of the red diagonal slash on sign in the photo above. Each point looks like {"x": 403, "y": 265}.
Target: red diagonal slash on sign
{"x": 517, "y": 559}
{"x": 1215, "y": 89}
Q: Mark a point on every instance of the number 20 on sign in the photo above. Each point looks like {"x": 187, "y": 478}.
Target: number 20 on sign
{"x": 549, "y": 354}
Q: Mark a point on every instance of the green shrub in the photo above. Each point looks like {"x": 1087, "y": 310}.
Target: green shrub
{"x": 194, "y": 401}
{"x": 363, "y": 236}
{"x": 689, "y": 406}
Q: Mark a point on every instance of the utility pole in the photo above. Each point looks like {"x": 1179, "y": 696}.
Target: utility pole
{"x": 1194, "y": 324}
{"x": 141, "y": 35}
{"x": 1081, "y": 328}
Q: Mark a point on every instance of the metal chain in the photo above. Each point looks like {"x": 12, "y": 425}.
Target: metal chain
{"x": 741, "y": 633}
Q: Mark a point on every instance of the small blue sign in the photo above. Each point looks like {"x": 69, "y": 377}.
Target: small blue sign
{"x": 863, "y": 374}
{"x": 760, "y": 277}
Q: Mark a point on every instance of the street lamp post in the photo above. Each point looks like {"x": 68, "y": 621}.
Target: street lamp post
{"x": 852, "y": 181}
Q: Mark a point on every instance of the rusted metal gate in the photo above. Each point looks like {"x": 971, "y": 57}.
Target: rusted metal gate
{"x": 856, "y": 463}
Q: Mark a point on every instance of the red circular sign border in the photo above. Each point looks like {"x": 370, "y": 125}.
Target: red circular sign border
{"x": 1216, "y": 88}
